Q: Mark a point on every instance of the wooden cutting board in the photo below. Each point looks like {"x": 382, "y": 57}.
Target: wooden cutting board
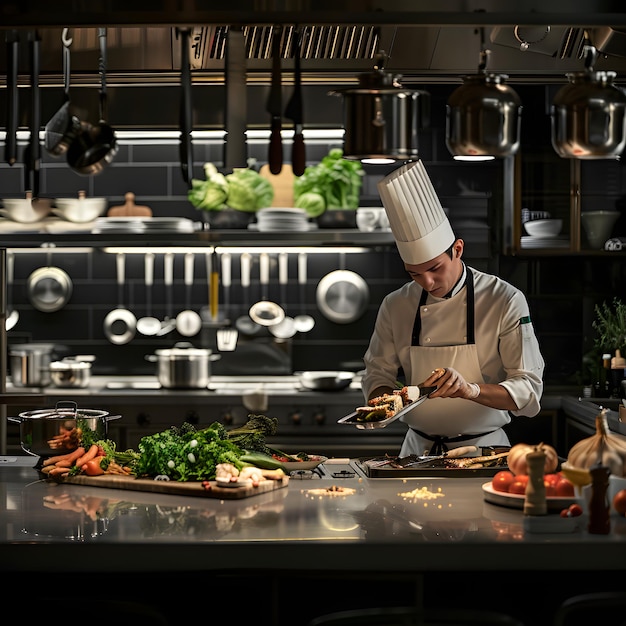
{"x": 173, "y": 487}
{"x": 282, "y": 184}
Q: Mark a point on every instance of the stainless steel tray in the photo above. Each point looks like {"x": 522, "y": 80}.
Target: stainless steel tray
{"x": 351, "y": 419}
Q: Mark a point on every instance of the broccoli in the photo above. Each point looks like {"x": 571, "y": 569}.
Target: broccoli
{"x": 251, "y": 435}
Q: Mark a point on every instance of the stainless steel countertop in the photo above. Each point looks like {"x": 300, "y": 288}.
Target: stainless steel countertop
{"x": 45, "y": 527}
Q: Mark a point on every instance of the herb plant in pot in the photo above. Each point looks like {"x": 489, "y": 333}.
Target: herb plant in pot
{"x": 330, "y": 190}
{"x": 230, "y": 200}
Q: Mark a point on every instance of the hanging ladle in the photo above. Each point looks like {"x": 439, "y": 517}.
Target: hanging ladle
{"x": 148, "y": 325}
{"x": 285, "y": 328}
{"x": 303, "y": 323}
{"x": 244, "y": 323}
{"x": 12, "y": 315}
{"x": 188, "y": 322}
{"x": 264, "y": 312}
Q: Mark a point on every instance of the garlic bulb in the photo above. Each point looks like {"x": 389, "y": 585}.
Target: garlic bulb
{"x": 602, "y": 448}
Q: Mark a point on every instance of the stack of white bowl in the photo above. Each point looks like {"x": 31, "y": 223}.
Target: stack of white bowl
{"x": 282, "y": 218}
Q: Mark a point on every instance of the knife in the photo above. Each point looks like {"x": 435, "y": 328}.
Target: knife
{"x": 274, "y": 108}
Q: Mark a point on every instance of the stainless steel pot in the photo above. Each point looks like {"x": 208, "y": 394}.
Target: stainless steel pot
{"x": 183, "y": 366}
{"x": 30, "y": 364}
{"x": 48, "y": 432}
{"x": 74, "y": 372}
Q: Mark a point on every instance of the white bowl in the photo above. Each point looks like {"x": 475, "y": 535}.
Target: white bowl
{"x": 543, "y": 228}
{"x": 25, "y": 210}
{"x": 598, "y": 226}
{"x": 80, "y": 209}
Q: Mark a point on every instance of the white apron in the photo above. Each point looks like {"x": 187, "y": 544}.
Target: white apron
{"x": 442, "y": 423}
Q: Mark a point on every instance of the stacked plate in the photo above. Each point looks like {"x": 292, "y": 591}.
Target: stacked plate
{"x": 560, "y": 241}
{"x": 281, "y": 218}
{"x": 141, "y": 225}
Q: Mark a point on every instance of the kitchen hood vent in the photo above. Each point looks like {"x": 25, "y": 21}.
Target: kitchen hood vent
{"x": 317, "y": 42}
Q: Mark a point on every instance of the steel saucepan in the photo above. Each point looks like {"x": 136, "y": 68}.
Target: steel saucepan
{"x": 74, "y": 371}
{"x": 48, "y": 432}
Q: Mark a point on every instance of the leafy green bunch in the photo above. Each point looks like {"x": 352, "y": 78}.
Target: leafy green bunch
{"x": 244, "y": 189}
{"x": 334, "y": 183}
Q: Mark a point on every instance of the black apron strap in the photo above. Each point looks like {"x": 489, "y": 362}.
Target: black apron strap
{"x": 470, "y": 319}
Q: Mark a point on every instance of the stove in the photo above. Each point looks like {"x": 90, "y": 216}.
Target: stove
{"x": 332, "y": 469}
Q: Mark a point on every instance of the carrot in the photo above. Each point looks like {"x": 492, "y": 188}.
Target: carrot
{"x": 70, "y": 456}
{"x": 59, "y": 471}
{"x": 88, "y": 456}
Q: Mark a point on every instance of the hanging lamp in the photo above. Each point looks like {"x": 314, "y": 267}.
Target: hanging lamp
{"x": 382, "y": 118}
{"x": 483, "y": 115}
{"x": 588, "y": 115}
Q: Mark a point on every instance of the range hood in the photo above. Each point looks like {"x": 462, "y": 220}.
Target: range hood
{"x": 330, "y": 53}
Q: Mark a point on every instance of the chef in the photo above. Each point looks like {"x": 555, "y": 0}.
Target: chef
{"x": 461, "y": 329}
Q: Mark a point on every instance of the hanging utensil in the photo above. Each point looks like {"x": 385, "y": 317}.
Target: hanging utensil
{"x": 60, "y": 129}
{"x": 148, "y": 325}
{"x": 10, "y": 152}
{"x": 120, "y": 324}
{"x": 303, "y": 322}
{"x": 188, "y": 322}
{"x": 12, "y": 314}
{"x": 32, "y": 154}
{"x": 244, "y": 323}
{"x": 285, "y": 328}
{"x": 226, "y": 337}
{"x": 94, "y": 147}
{"x": 294, "y": 112}
{"x": 186, "y": 109}
{"x": 274, "y": 107}
{"x": 264, "y": 312}
{"x": 169, "y": 322}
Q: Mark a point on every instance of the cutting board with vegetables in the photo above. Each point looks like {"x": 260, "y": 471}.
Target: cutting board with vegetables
{"x": 172, "y": 487}
{"x": 282, "y": 184}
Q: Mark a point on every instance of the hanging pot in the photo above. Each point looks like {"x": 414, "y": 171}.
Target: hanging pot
{"x": 49, "y": 289}
{"x": 589, "y": 115}
{"x": 342, "y": 296}
{"x": 48, "y": 432}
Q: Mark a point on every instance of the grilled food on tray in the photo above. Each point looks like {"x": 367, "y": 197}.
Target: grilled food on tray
{"x": 387, "y": 405}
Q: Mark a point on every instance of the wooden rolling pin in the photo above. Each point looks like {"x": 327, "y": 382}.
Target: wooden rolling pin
{"x": 130, "y": 209}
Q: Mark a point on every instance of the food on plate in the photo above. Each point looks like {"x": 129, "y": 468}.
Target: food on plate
{"x": 573, "y": 510}
{"x": 386, "y": 406}
{"x": 603, "y": 447}
{"x": 557, "y": 485}
{"x": 517, "y": 457}
{"x": 502, "y": 480}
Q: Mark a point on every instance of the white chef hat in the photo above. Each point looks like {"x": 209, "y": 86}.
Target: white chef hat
{"x": 417, "y": 220}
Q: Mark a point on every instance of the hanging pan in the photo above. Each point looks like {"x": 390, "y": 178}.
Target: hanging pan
{"x": 61, "y": 128}
{"x": 95, "y": 146}
{"x": 342, "y": 296}
{"x": 264, "y": 312}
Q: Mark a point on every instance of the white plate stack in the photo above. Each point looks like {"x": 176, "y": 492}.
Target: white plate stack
{"x": 281, "y": 218}
{"x": 142, "y": 225}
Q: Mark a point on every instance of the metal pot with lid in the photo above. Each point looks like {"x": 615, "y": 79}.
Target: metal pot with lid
{"x": 30, "y": 364}
{"x": 184, "y": 366}
{"x": 49, "y": 432}
{"x": 588, "y": 115}
{"x": 72, "y": 371}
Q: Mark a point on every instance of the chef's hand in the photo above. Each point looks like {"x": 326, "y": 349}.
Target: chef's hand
{"x": 450, "y": 384}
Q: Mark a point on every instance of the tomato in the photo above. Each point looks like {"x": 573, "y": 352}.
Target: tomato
{"x": 574, "y": 510}
{"x": 564, "y": 489}
{"x": 550, "y": 489}
{"x": 93, "y": 468}
{"x": 551, "y": 479}
{"x": 619, "y": 501}
{"x": 518, "y": 486}
{"x": 502, "y": 480}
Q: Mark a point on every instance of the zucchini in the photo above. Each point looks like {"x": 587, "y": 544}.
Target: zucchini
{"x": 258, "y": 459}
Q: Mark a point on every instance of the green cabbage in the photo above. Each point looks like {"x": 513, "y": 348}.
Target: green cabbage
{"x": 248, "y": 190}
{"x": 209, "y": 194}
{"x": 312, "y": 202}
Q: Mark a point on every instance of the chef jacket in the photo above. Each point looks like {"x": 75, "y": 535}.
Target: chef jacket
{"x": 506, "y": 352}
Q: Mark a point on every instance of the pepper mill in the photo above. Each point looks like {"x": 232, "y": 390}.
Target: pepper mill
{"x": 599, "y": 506}
{"x": 535, "y": 497}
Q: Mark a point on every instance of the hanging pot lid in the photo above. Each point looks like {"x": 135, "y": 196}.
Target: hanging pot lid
{"x": 342, "y": 296}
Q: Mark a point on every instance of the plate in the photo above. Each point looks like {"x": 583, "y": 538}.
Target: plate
{"x": 352, "y": 418}
{"x": 302, "y": 466}
{"x": 516, "y": 501}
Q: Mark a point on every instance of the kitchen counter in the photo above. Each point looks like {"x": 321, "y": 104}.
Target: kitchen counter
{"x": 386, "y": 526}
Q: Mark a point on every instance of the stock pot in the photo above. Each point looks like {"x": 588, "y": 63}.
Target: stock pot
{"x": 183, "y": 366}
{"x": 48, "y": 432}
{"x": 30, "y": 364}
